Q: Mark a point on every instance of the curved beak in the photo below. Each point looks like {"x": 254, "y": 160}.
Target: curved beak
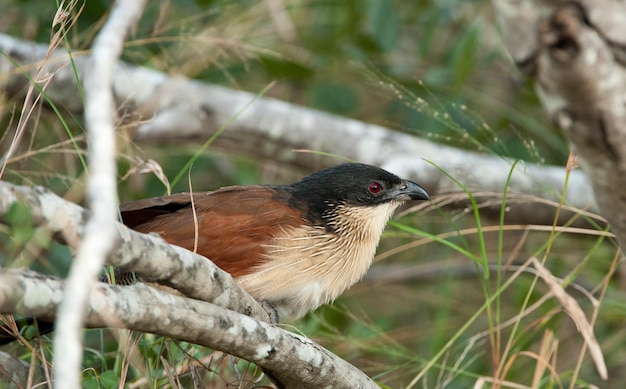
{"x": 408, "y": 190}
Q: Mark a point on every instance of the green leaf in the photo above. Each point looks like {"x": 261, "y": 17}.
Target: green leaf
{"x": 336, "y": 98}
{"x": 90, "y": 383}
{"x": 284, "y": 68}
{"x": 109, "y": 380}
{"x": 30, "y": 332}
{"x": 20, "y": 220}
{"x": 382, "y": 23}
{"x": 19, "y": 215}
{"x": 463, "y": 57}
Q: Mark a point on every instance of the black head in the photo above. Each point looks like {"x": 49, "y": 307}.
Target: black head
{"x": 353, "y": 184}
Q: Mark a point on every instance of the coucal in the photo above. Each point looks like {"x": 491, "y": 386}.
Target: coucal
{"x": 295, "y": 246}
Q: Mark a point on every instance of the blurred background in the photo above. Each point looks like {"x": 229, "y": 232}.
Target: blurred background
{"x": 426, "y": 315}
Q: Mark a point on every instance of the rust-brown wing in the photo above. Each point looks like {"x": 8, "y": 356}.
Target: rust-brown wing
{"x": 233, "y": 223}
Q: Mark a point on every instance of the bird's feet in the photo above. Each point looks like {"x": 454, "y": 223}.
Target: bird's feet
{"x": 271, "y": 312}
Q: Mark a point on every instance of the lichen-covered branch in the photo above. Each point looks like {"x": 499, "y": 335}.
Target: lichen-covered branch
{"x": 185, "y": 319}
{"x": 291, "y": 359}
{"x": 149, "y": 256}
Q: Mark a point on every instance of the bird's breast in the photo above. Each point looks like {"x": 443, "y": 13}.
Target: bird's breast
{"x": 309, "y": 266}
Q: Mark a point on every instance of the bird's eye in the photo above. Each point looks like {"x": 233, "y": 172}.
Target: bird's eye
{"x": 374, "y": 187}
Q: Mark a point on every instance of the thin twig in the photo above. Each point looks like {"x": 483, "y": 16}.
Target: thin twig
{"x": 102, "y": 192}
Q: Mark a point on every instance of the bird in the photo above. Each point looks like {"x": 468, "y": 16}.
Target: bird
{"x": 294, "y": 247}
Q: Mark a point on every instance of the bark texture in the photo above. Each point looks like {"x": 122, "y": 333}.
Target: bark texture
{"x": 164, "y": 108}
{"x": 149, "y": 256}
{"x": 292, "y": 360}
{"x": 576, "y": 53}
{"x": 220, "y": 315}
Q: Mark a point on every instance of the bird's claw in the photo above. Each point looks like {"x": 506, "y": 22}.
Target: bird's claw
{"x": 272, "y": 313}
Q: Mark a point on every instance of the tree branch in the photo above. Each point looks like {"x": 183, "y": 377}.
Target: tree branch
{"x": 155, "y": 260}
{"x": 272, "y": 129}
{"x": 149, "y": 256}
{"x": 291, "y": 359}
{"x": 17, "y": 373}
{"x": 100, "y": 230}
{"x": 575, "y": 52}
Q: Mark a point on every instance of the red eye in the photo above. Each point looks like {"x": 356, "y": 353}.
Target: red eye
{"x": 374, "y": 187}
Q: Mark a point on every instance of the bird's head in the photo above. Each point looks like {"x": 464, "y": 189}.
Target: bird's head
{"x": 353, "y": 185}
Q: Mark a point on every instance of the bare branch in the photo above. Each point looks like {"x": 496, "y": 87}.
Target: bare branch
{"x": 149, "y": 256}
{"x": 16, "y": 373}
{"x": 175, "y": 108}
{"x": 576, "y": 52}
{"x": 291, "y": 359}
{"x": 100, "y": 231}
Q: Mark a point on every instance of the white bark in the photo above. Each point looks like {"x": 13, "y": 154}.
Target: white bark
{"x": 149, "y": 256}
{"x": 576, "y": 52}
{"x": 100, "y": 230}
{"x": 291, "y": 359}
{"x": 153, "y": 259}
{"x": 294, "y": 361}
{"x": 175, "y": 109}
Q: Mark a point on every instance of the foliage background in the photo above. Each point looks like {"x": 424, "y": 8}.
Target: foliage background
{"x": 372, "y": 60}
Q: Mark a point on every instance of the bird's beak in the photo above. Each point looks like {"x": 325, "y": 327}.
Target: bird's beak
{"x": 408, "y": 190}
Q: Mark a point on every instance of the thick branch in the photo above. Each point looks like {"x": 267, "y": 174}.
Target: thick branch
{"x": 14, "y": 373}
{"x": 177, "y": 108}
{"x": 147, "y": 255}
{"x": 155, "y": 260}
{"x": 575, "y": 52}
{"x": 293, "y": 360}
